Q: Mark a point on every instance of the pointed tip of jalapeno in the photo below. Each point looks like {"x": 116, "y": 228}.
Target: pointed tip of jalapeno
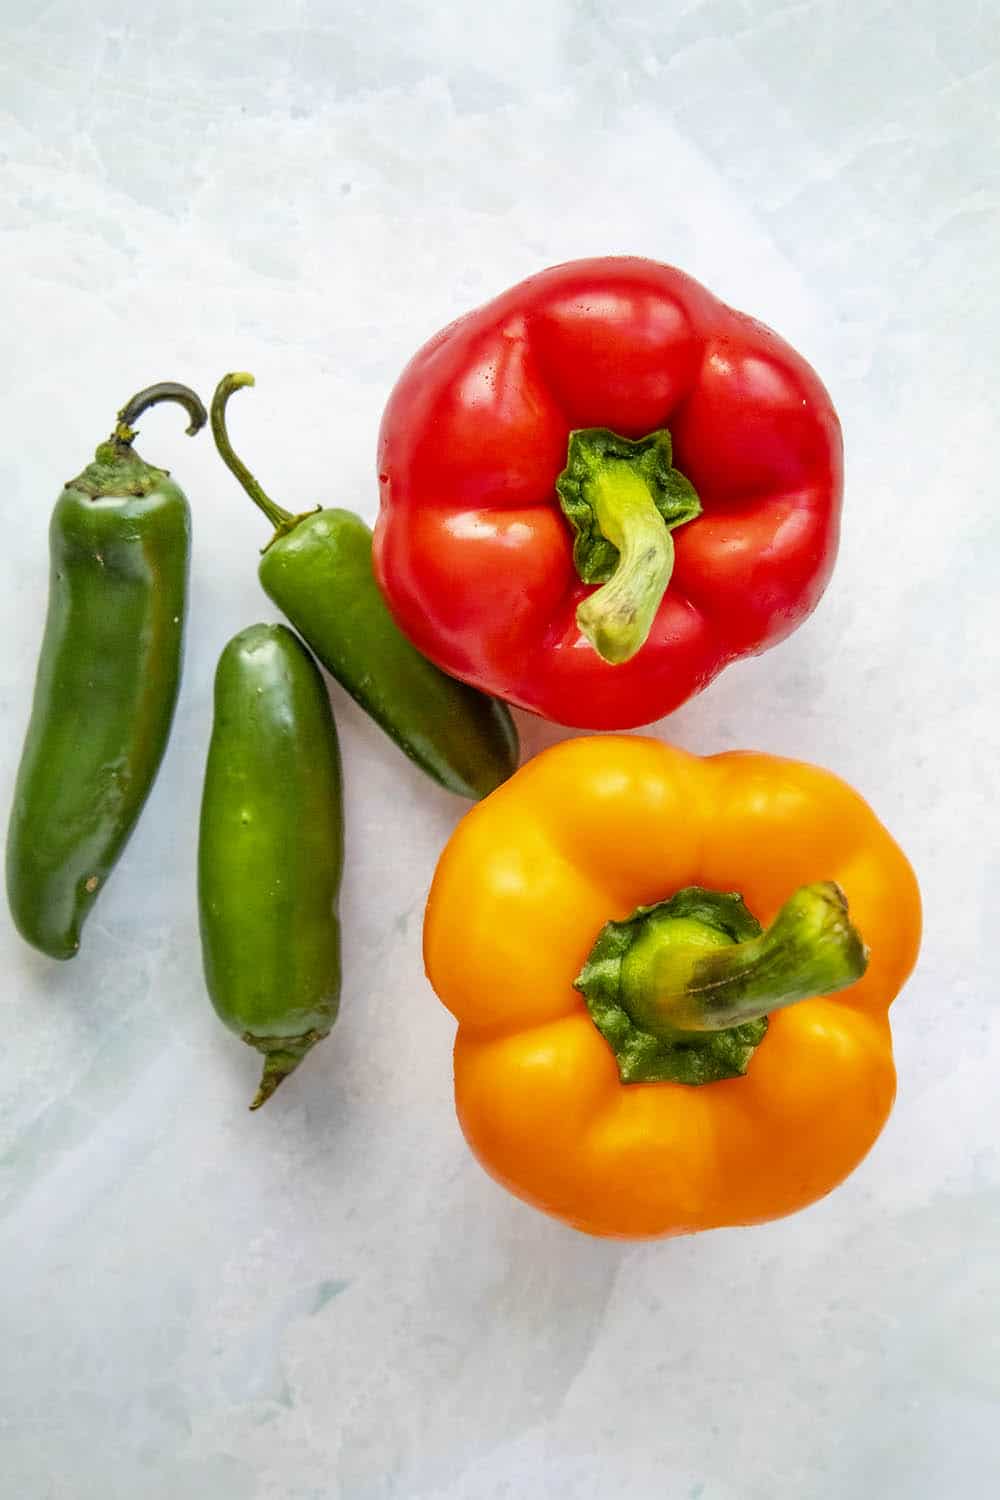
{"x": 282, "y": 1061}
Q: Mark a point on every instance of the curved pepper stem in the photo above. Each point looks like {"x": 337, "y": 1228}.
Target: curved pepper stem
{"x": 617, "y": 618}
{"x": 672, "y": 982}
{"x": 282, "y": 520}
{"x": 623, "y": 499}
{"x": 164, "y": 390}
{"x": 681, "y": 990}
{"x": 117, "y": 469}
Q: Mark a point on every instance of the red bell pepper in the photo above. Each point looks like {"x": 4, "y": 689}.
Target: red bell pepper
{"x": 536, "y": 457}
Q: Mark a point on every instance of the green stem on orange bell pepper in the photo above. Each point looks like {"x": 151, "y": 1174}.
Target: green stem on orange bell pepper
{"x": 681, "y": 990}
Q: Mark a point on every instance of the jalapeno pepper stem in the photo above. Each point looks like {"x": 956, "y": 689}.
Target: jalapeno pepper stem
{"x": 164, "y": 390}
{"x": 617, "y": 618}
{"x": 282, "y": 520}
{"x": 675, "y": 980}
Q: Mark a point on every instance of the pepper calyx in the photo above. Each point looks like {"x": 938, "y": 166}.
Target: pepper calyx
{"x": 117, "y": 470}
{"x": 592, "y": 453}
{"x": 681, "y": 990}
{"x": 622, "y": 498}
{"x": 641, "y": 1056}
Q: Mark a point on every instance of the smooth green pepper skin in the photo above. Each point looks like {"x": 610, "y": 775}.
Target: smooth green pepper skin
{"x": 320, "y": 576}
{"x": 271, "y": 851}
{"x": 318, "y": 570}
{"x": 106, "y": 686}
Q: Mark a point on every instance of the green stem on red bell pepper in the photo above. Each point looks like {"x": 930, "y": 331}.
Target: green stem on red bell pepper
{"x": 618, "y": 617}
{"x": 681, "y": 990}
{"x": 623, "y": 499}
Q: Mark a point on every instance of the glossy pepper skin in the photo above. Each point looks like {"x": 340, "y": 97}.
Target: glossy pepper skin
{"x": 317, "y": 568}
{"x": 270, "y": 851}
{"x": 107, "y": 681}
{"x": 479, "y": 554}
{"x": 518, "y": 912}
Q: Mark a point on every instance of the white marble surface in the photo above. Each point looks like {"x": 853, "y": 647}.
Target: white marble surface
{"x": 330, "y": 1301}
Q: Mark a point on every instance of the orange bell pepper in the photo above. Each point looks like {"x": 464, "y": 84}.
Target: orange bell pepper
{"x": 672, "y": 1068}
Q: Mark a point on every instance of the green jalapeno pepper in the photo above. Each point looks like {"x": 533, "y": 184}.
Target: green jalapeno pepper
{"x": 107, "y": 679}
{"x": 317, "y": 568}
{"x": 271, "y": 850}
